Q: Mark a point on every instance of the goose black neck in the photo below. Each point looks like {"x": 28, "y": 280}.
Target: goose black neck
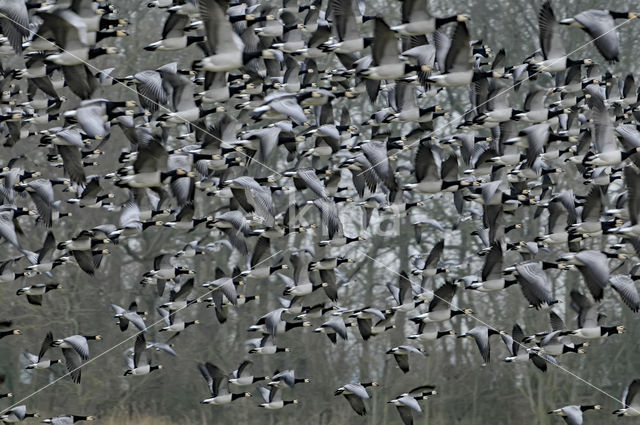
{"x": 628, "y": 153}
{"x": 619, "y": 15}
{"x": 568, "y": 349}
{"x": 194, "y": 39}
{"x": 443, "y": 333}
{"x": 94, "y": 52}
{"x": 572, "y": 63}
{"x": 249, "y": 56}
{"x": 274, "y": 268}
{"x": 290, "y": 325}
{"x": 146, "y": 224}
{"x": 446, "y": 20}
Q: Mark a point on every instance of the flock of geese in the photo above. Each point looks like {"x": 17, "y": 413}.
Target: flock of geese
{"x": 240, "y": 143}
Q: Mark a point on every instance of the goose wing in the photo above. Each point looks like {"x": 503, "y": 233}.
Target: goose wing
{"x": 385, "y": 45}
{"x": 626, "y": 288}
{"x": 219, "y": 33}
{"x": 46, "y": 343}
{"x": 426, "y": 163}
{"x": 492, "y": 268}
{"x": 356, "y": 403}
{"x": 550, "y": 37}
{"x": 459, "y": 55}
{"x": 72, "y": 162}
{"x": 534, "y": 283}
{"x": 73, "y": 362}
{"x": 599, "y": 24}
{"x": 309, "y": 177}
{"x": 595, "y": 271}
{"x": 15, "y": 22}
{"x": 630, "y": 393}
{"x": 139, "y": 348}
{"x": 442, "y": 297}
{"x": 587, "y": 313}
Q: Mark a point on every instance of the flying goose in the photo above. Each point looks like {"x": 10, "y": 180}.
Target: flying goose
{"x": 287, "y": 378}
{"x": 173, "y": 34}
{"x": 90, "y": 196}
{"x": 129, "y": 316}
{"x": 235, "y": 227}
{"x": 226, "y": 47}
{"x": 356, "y": 393}
{"x": 416, "y": 19}
{"x": 385, "y": 55}
{"x": 589, "y": 320}
{"x": 456, "y": 67}
{"x": 401, "y": 355}
{"x": 41, "y": 193}
{"x": 265, "y": 346}
{"x": 481, "y": 335}
{"x": 67, "y": 419}
{"x": 407, "y": 402}
{"x": 178, "y": 299}
{"x": 242, "y": 376}
{"x": 554, "y": 345}
{"x": 8, "y": 229}
{"x": 273, "y": 398}
{"x": 364, "y": 318}
{"x": 403, "y": 294}
{"x": 520, "y": 353}
{"x": 163, "y": 270}
{"x": 135, "y": 365}
{"x": 148, "y": 166}
{"x": 253, "y": 197}
{"x": 218, "y": 384}
{"x": 333, "y": 327}
{"x": 81, "y": 247}
{"x": 273, "y": 324}
{"x": 607, "y": 151}
{"x": 572, "y": 414}
{"x": 554, "y": 54}
{"x": 35, "y": 292}
{"x": 432, "y": 174}
{"x": 594, "y": 268}
{"x": 492, "y": 278}
{"x": 37, "y": 362}
{"x": 349, "y": 39}
{"x": 429, "y": 332}
{"x": 75, "y": 349}
{"x": 430, "y": 268}
{"x": 17, "y": 414}
{"x": 630, "y": 403}
{"x": 600, "y": 25}
{"x": 440, "y": 308}
{"x": 173, "y": 325}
